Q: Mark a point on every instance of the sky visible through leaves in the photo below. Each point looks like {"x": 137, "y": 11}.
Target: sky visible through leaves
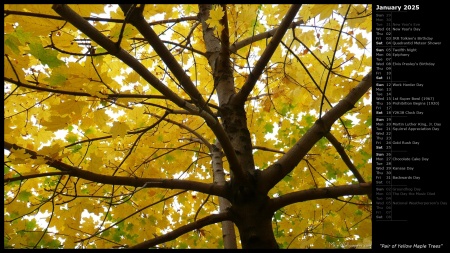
{"x": 96, "y": 130}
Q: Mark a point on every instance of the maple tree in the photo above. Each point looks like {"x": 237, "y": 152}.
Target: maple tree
{"x": 187, "y": 126}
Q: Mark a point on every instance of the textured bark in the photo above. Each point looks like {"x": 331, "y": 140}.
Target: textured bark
{"x": 255, "y": 225}
{"x": 228, "y": 233}
{"x": 254, "y": 221}
{"x": 234, "y": 119}
{"x": 218, "y": 53}
{"x": 244, "y": 199}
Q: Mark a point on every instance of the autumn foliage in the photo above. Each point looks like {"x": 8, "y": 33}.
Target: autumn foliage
{"x": 187, "y": 126}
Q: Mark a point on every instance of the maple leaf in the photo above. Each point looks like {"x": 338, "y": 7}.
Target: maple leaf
{"x": 19, "y": 156}
{"x": 56, "y": 123}
{"x": 143, "y": 119}
{"x": 51, "y": 151}
{"x": 119, "y": 129}
{"x": 95, "y": 163}
{"x": 46, "y": 56}
{"x": 215, "y": 15}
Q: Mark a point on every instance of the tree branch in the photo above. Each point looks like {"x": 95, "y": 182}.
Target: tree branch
{"x": 241, "y": 97}
{"x": 213, "y": 189}
{"x": 265, "y": 35}
{"x": 48, "y": 174}
{"x": 83, "y": 94}
{"x": 344, "y": 157}
{"x": 208, "y": 220}
{"x": 84, "y": 26}
{"x": 137, "y": 20}
{"x": 268, "y": 149}
{"x": 320, "y": 193}
{"x": 46, "y": 16}
{"x": 277, "y": 171}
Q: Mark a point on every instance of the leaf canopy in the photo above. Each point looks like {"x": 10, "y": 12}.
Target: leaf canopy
{"x": 99, "y": 155}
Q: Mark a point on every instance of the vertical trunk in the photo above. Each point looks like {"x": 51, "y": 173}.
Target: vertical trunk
{"x": 233, "y": 117}
{"x": 234, "y": 120}
{"x": 254, "y": 224}
{"x": 247, "y": 202}
{"x": 228, "y": 233}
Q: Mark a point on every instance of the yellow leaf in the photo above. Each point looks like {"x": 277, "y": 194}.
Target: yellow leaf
{"x": 70, "y": 106}
{"x": 74, "y": 105}
{"x": 136, "y": 117}
{"x": 323, "y": 10}
{"x": 44, "y": 136}
{"x": 40, "y": 160}
{"x": 7, "y": 126}
{"x": 56, "y": 123}
{"x": 100, "y": 118}
{"x": 51, "y": 151}
{"x": 95, "y": 163}
{"x": 87, "y": 10}
{"x": 133, "y": 77}
{"x": 94, "y": 90}
{"x": 215, "y": 15}
{"x": 119, "y": 129}
{"x": 308, "y": 38}
{"x": 361, "y": 41}
{"x": 18, "y": 156}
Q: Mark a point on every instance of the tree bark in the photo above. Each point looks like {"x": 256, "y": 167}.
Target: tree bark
{"x": 228, "y": 233}
{"x": 254, "y": 221}
{"x": 247, "y": 203}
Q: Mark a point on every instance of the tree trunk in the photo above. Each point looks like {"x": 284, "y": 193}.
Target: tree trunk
{"x": 254, "y": 224}
{"x": 247, "y": 201}
{"x": 228, "y": 233}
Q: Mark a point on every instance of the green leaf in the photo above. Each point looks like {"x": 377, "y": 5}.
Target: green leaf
{"x": 287, "y": 178}
{"x": 89, "y": 131}
{"x": 330, "y": 239}
{"x": 279, "y": 233}
{"x": 368, "y": 121}
{"x": 56, "y": 79}
{"x": 183, "y": 245}
{"x": 117, "y": 237}
{"x": 170, "y": 158}
{"x": 30, "y": 225}
{"x": 309, "y": 120}
{"x": 129, "y": 226}
{"x": 12, "y": 43}
{"x": 331, "y": 171}
{"x": 24, "y": 195}
{"x": 46, "y": 56}
{"x": 105, "y": 233}
{"x": 322, "y": 143}
{"x": 277, "y": 215}
{"x": 53, "y": 244}
{"x": 121, "y": 225}
{"x": 152, "y": 219}
{"x": 283, "y": 245}
{"x": 268, "y": 128}
{"x": 24, "y": 37}
{"x": 71, "y": 138}
{"x": 5, "y": 169}
{"x": 348, "y": 123}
